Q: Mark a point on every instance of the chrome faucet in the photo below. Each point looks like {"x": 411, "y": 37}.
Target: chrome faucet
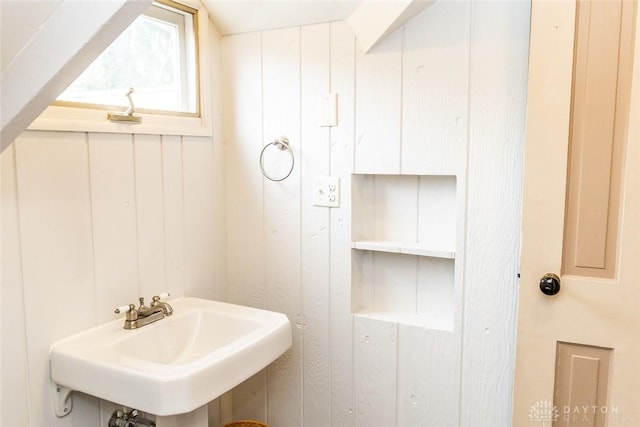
{"x": 143, "y": 315}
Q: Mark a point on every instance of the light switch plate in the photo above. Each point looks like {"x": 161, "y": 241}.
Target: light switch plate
{"x": 326, "y": 191}
{"x": 329, "y": 110}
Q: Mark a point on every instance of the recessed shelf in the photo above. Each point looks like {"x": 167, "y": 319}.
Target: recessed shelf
{"x": 402, "y": 248}
{"x": 404, "y": 240}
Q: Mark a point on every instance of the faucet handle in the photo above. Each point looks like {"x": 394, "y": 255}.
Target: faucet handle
{"x": 156, "y": 298}
{"x": 124, "y": 309}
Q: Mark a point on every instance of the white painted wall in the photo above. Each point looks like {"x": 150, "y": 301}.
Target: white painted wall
{"x": 443, "y": 95}
{"x": 93, "y": 220}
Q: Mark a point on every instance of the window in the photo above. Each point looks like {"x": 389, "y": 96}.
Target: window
{"x": 155, "y": 55}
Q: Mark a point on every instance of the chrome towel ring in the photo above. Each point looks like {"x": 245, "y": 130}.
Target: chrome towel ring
{"x": 281, "y": 144}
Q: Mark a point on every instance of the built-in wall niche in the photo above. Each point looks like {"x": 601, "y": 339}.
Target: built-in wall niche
{"x": 403, "y": 248}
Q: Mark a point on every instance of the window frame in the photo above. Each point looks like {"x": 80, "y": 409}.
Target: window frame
{"x": 73, "y": 116}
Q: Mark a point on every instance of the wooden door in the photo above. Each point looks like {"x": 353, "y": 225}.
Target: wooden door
{"x": 578, "y": 351}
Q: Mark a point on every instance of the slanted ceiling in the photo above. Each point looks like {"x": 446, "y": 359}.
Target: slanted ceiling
{"x": 47, "y": 44}
{"x": 242, "y": 16}
{"x": 371, "y": 20}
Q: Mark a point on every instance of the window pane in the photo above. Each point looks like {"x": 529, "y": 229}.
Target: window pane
{"x": 150, "y": 56}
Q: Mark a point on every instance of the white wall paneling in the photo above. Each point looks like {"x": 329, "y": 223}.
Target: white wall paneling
{"x": 281, "y": 117}
{"x": 216, "y": 105}
{"x": 114, "y": 218}
{"x": 150, "y": 214}
{"x": 378, "y": 113}
{"x": 428, "y": 371}
{"x": 243, "y": 137}
{"x": 435, "y": 72}
{"x": 57, "y": 252}
{"x": 342, "y": 74}
{"x": 403, "y": 119}
{"x": 172, "y": 183}
{"x": 242, "y": 59}
{"x": 375, "y": 354}
{"x": 315, "y": 160}
{"x": 92, "y": 221}
{"x": 200, "y": 204}
{"x": 15, "y": 366}
{"x": 499, "y": 59}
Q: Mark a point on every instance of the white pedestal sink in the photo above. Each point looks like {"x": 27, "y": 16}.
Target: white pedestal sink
{"x": 173, "y": 366}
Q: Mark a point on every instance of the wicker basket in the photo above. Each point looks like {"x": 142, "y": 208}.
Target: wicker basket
{"x": 246, "y": 423}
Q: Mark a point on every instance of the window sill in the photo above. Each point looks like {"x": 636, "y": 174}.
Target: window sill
{"x": 57, "y": 118}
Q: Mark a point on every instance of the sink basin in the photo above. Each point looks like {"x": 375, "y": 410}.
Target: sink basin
{"x": 175, "y": 365}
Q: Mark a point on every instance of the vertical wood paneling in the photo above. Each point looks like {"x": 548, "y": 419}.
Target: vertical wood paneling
{"x": 113, "y": 213}
{"x": 375, "y": 364}
{"x": 378, "y": 107}
{"x": 436, "y": 294}
{"x": 172, "y": 196}
{"x": 214, "y": 413}
{"x": 499, "y": 55}
{"x": 14, "y": 397}
{"x": 437, "y": 216}
{"x": 86, "y": 411}
{"x": 195, "y": 418}
{"x": 281, "y": 116}
{"x": 364, "y": 281}
{"x": 428, "y": 377}
{"x": 362, "y": 191}
{"x": 219, "y": 163}
{"x": 342, "y": 151}
{"x": 315, "y": 263}
{"x": 150, "y": 214}
{"x": 394, "y": 283}
{"x": 242, "y": 98}
{"x": 250, "y": 398}
{"x": 395, "y": 208}
{"x": 199, "y": 212}
{"x": 57, "y": 254}
{"x": 435, "y": 69}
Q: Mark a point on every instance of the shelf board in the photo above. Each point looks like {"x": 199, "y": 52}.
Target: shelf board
{"x": 401, "y": 248}
{"x": 421, "y": 321}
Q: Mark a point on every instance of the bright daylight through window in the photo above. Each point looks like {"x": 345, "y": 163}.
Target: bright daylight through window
{"x": 155, "y": 55}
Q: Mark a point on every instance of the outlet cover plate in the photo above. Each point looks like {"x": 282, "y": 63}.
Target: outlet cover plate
{"x": 326, "y": 191}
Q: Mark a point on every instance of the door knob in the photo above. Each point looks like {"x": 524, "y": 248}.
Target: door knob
{"x": 550, "y": 284}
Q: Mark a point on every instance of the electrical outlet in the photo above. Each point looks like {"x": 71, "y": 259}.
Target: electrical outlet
{"x": 326, "y": 191}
